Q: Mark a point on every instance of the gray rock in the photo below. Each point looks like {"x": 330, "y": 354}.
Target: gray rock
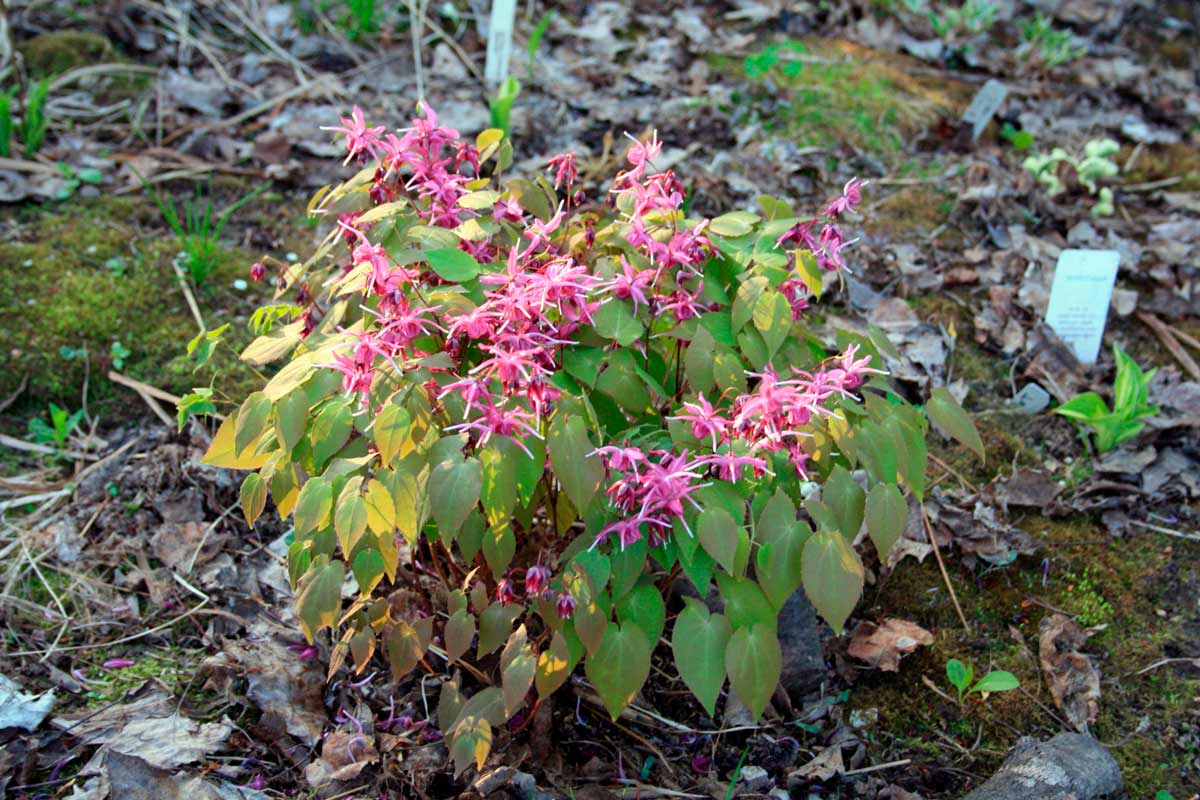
{"x": 800, "y": 640}
{"x": 1069, "y": 766}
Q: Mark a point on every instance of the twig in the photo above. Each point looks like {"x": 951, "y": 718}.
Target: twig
{"x": 32, "y": 499}
{"x": 61, "y": 609}
{"x": 32, "y": 447}
{"x": 1152, "y": 185}
{"x": 12, "y": 398}
{"x": 70, "y": 76}
{"x": 1165, "y": 335}
{"x": 92, "y": 646}
{"x": 146, "y": 396}
{"x": 974, "y": 489}
{"x": 204, "y": 539}
{"x": 942, "y": 566}
{"x": 1194, "y": 661}
{"x": 1168, "y": 531}
{"x": 904, "y": 762}
{"x": 187, "y": 293}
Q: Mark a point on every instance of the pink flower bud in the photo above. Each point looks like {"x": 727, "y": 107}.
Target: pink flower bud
{"x": 565, "y": 606}
{"x": 536, "y": 579}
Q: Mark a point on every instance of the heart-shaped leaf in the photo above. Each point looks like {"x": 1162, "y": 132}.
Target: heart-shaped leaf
{"x": 698, "y": 642}
{"x": 833, "y": 577}
{"x": 619, "y": 666}
{"x": 754, "y": 662}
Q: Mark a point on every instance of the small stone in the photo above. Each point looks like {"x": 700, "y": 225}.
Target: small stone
{"x": 494, "y": 779}
{"x": 800, "y": 641}
{"x": 755, "y": 779}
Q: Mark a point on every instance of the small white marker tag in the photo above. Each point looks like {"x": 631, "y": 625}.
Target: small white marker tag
{"x": 1079, "y": 298}
{"x": 984, "y": 106}
{"x": 499, "y": 41}
{"x": 1032, "y": 399}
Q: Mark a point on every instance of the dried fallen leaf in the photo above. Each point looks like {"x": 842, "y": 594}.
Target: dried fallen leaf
{"x": 21, "y": 710}
{"x": 1073, "y": 679}
{"x": 826, "y": 764}
{"x": 883, "y": 646}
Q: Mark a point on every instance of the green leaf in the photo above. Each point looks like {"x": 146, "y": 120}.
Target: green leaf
{"x": 498, "y": 490}
{"x": 698, "y": 361}
{"x": 391, "y": 430}
{"x": 471, "y": 743}
{"x": 1084, "y": 407}
{"x": 368, "y": 570}
{"x": 887, "y": 516}
{"x": 499, "y": 546}
{"x": 745, "y": 603}
{"x": 944, "y": 410}
{"x": 495, "y": 625}
{"x": 350, "y": 518}
{"x": 845, "y": 499}
{"x": 452, "y": 264}
{"x": 518, "y": 667}
{"x": 578, "y": 472}
{"x": 554, "y": 666}
{"x": 615, "y": 320}
{"x": 997, "y": 681}
{"x": 809, "y": 271}
{"x": 718, "y": 533}
{"x": 381, "y": 511}
{"x": 252, "y": 419}
{"x": 253, "y": 497}
{"x": 754, "y": 662}
{"x": 291, "y": 418}
{"x": 643, "y": 606}
{"x": 330, "y": 431}
{"x": 313, "y": 505}
{"x": 698, "y": 643}
{"x": 781, "y": 539}
{"x": 746, "y": 300}
{"x": 733, "y": 224}
{"x": 460, "y": 630}
{"x": 318, "y": 603}
{"x": 832, "y": 577}
{"x": 959, "y": 675}
{"x": 619, "y": 666}
{"x": 773, "y": 318}
{"x": 453, "y": 492}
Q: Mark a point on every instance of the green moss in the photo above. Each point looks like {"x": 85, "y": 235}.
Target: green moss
{"x": 173, "y": 667}
{"x": 87, "y": 273}
{"x": 51, "y": 54}
{"x": 1126, "y": 575}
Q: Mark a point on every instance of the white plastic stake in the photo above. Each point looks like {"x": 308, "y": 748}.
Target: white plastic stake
{"x": 499, "y": 41}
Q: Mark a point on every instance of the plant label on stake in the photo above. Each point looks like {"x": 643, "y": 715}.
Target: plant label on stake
{"x": 1079, "y": 298}
{"x": 984, "y": 106}
{"x": 499, "y": 41}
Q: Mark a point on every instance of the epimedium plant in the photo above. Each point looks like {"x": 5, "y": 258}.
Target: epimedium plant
{"x": 510, "y": 416}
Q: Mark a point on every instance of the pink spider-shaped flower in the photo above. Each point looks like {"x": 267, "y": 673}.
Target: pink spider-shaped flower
{"x": 631, "y": 285}
{"x": 565, "y": 169}
{"x": 850, "y": 197}
{"x": 706, "y": 422}
{"x": 359, "y": 138}
{"x": 508, "y": 208}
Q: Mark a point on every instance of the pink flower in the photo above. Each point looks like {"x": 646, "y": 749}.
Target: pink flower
{"x": 851, "y": 196}
{"x": 537, "y": 578}
{"x": 258, "y": 271}
{"x": 565, "y": 169}
{"x": 642, "y": 153}
{"x": 359, "y": 138}
{"x": 508, "y": 208}
{"x": 630, "y": 285}
{"x": 118, "y": 663}
{"x": 565, "y": 606}
{"x": 706, "y": 422}
{"x": 505, "y": 592}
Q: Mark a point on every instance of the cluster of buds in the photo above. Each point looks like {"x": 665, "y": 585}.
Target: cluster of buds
{"x": 537, "y": 585}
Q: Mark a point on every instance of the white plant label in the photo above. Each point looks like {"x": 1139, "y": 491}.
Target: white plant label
{"x": 499, "y": 41}
{"x": 1032, "y": 399}
{"x": 984, "y": 106}
{"x": 1079, "y": 299}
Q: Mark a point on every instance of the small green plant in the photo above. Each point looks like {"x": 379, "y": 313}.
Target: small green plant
{"x": 119, "y": 353}
{"x": 75, "y": 179}
{"x": 1130, "y": 406}
{"x": 1085, "y": 599}
{"x": 1050, "y": 45}
{"x": 6, "y": 123}
{"x": 199, "y": 227}
{"x": 501, "y": 105}
{"x": 1019, "y": 139}
{"x": 62, "y": 425}
{"x": 360, "y": 19}
{"x": 535, "y": 38}
{"x": 960, "y": 676}
{"x": 758, "y": 65}
{"x": 972, "y": 17}
{"x": 33, "y": 125}
{"x": 1095, "y": 164}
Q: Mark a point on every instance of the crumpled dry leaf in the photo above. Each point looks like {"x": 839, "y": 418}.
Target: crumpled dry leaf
{"x": 826, "y": 764}
{"x": 281, "y": 684}
{"x": 100, "y": 727}
{"x": 168, "y": 742}
{"x": 21, "y": 710}
{"x": 1073, "y": 679}
{"x": 130, "y": 778}
{"x": 980, "y": 530}
{"x": 343, "y": 756}
{"x": 884, "y": 645}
